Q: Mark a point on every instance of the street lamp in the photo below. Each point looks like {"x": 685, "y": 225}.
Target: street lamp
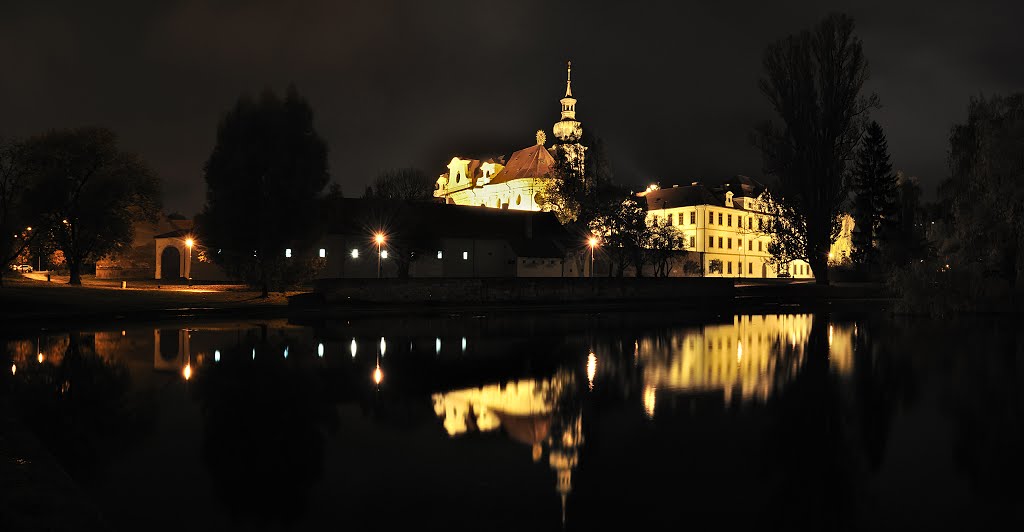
{"x": 379, "y": 239}
{"x": 593, "y": 243}
{"x": 188, "y": 261}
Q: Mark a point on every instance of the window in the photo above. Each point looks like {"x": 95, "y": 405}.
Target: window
{"x": 729, "y": 241}
{"x": 750, "y": 245}
{"x": 719, "y": 218}
{"x": 729, "y": 223}
{"x": 384, "y": 254}
{"x": 323, "y": 253}
{"x": 719, "y": 242}
{"x": 439, "y": 254}
{"x": 465, "y": 255}
{"x": 693, "y": 218}
{"x": 750, "y": 223}
{"x": 750, "y": 268}
{"x": 711, "y": 217}
{"x": 715, "y": 266}
{"x": 670, "y": 219}
{"x": 739, "y": 243}
{"x": 730, "y": 267}
{"x": 355, "y": 253}
{"x": 760, "y": 224}
{"x": 654, "y": 219}
{"x": 288, "y": 253}
{"x": 759, "y": 246}
{"x": 693, "y": 242}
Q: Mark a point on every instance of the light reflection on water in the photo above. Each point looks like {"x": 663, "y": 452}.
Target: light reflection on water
{"x": 591, "y": 407}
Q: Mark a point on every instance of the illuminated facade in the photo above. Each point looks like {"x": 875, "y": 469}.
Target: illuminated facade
{"x": 520, "y": 182}
{"x": 725, "y": 226}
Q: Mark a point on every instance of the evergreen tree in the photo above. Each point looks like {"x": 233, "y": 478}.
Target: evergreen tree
{"x": 875, "y": 195}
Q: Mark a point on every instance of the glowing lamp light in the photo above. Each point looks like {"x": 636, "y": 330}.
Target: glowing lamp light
{"x": 320, "y": 350}
{"x": 286, "y": 351}
{"x": 384, "y": 254}
{"x": 40, "y": 358}
{"x": 592, "y": 241}
{"x": 591, "y": 369}
{"x": 383, "y": 346}
{"x": 352, "y": 347}
{"x": 189, "y": 242}
{"x": 463, "y": 344}
{"x": 216, "y": 355}
{"x": 437, "y": 346}
{"x": 378, "y": 375}
{"x": 187, "y": 372}
{"x": 378, "y": 238}
{"x": 14, "y": 369}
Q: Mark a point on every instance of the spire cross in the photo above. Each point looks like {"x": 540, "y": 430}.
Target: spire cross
{"x": 568, "y": 80}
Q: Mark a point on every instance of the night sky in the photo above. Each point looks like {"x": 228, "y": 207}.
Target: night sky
{"x": 671, "y": 87}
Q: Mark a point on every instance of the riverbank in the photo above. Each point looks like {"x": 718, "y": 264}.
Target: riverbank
{"x": 26, "y": 300}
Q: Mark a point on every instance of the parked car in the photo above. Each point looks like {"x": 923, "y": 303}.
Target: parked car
{"x": 24, "y": 268}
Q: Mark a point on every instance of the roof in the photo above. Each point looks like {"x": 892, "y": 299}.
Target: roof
{"x": 530, "y": 234}
{"x": 688, "y": 196}
{"x": 535, "y": 161}
{"x": 178, "y": 233}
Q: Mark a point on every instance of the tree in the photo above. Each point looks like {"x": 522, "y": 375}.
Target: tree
{"x": 264, "y": 180}
{"x": 666, "y": 241}
{"x": 622, "y": 226}
{"x": 89, "y": 194}
{"x": 875, "y": 195}
{"x": 904, "y": 238}
{"x": 813, "y": 81}
{"x": 15, "y": 220}
{"x": 986, "y": 187}
{"x": 402, "y": 184}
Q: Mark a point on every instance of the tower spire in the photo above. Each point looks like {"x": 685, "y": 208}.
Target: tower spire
{"x": 568, "y": 80}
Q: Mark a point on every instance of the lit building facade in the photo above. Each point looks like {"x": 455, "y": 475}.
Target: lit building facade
{"x": 520, "y": 182}
{"x": 726, "y": 227}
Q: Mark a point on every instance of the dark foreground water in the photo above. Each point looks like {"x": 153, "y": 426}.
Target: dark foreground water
{"x": 766, "y": 422}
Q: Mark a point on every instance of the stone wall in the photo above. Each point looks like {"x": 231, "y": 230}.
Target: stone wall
{"x": 527, "y": 290}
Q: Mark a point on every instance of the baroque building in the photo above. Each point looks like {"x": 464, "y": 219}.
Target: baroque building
{"x": 725, "y": 227}
{"x": 519, "y": 182}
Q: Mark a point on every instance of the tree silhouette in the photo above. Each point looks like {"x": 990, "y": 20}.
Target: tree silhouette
{"x": 263, "y": 180}
{"x": 90, "y": 194}
{"x": 875, "y": 194}
{"x": 813, "y": 81}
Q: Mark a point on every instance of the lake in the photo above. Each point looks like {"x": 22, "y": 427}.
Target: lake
{"x": 838, "y": 421}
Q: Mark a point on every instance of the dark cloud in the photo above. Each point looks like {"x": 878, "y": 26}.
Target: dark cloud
{"x": 670, "y": 86}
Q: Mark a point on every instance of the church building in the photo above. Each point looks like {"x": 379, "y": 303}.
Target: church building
{"x": 520, "y": 182}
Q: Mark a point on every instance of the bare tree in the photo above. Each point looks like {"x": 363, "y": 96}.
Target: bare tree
{"x": 16, "y": 230}
{"x": 401, "y": 184}
{"x": 813, "y": 80}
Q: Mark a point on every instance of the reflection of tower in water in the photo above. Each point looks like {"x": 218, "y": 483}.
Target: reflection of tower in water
{"x": 535, "y": 412}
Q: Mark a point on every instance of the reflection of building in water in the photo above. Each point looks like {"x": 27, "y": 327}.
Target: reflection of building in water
{"x": 529, "y": 411}
{"x": 751, "y": 357}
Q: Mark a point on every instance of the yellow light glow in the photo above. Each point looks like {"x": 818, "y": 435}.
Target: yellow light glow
{"x": 592, "y": 241}
{"x": 122, "y": 333}
{"x": 739, "y": 352}
{"x": 378, "y": 375}
{"x": 29, "y": 228}
{"x": 378, "y": 238}
{"x": 40, "y": 358}
{"x": 649, "y": 395}
{"x": 14, "y": 369}
{"x": 189, "y": 242}
{"x": 591, "y": 369}
{"x": 187, "y": 372}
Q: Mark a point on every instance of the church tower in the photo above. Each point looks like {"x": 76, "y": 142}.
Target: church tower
{"x": 568, "y": 129}
{"x": 568, "y": 132}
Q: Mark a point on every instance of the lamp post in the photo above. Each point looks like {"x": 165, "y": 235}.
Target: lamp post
{"x": 188, "y": 260}
{"x": 593, "y": 244}
{"x": 379, "y": 239}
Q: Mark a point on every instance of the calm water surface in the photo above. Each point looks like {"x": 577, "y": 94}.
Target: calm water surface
{"x": 860, "y": 422}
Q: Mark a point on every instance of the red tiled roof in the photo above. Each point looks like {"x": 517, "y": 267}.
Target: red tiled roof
{"x": 534, "y": 161}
